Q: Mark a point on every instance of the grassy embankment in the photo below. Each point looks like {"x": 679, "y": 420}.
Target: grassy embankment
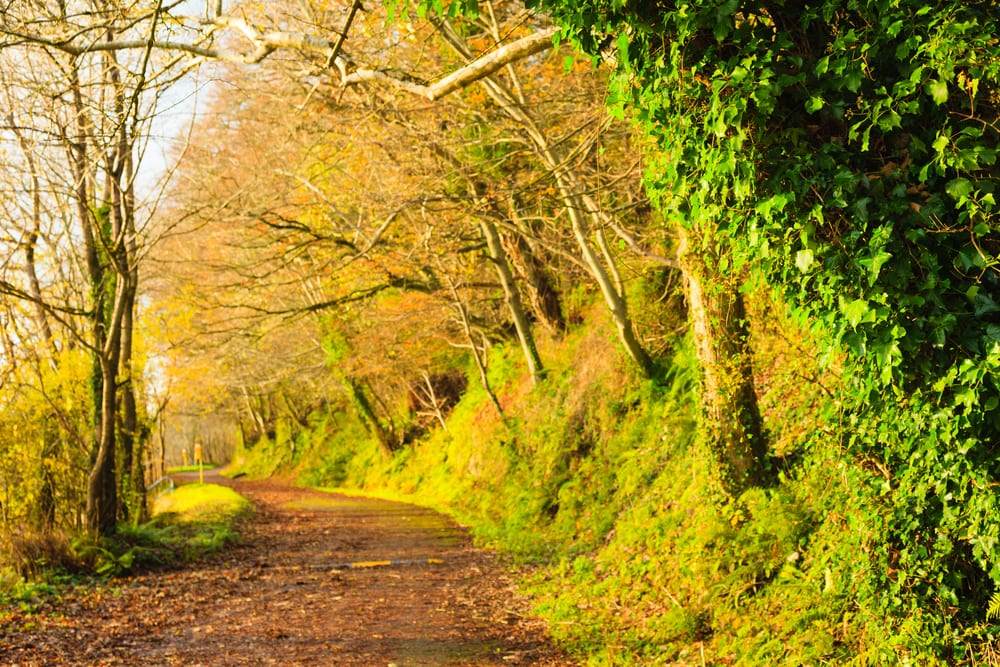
{"x": 598, "y": 479}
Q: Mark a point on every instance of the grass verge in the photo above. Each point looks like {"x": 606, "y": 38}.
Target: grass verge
{"x": 194, "y": 521}
{"x": 192, "y": 468}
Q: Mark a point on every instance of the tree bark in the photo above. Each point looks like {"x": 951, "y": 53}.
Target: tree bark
{"x": 542, "y": 295}
{"x": 513, "y": 299}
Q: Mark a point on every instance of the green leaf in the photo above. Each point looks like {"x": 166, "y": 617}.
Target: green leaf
{"x": 889, "y": 121}
{"x": 856, "y": 343}
{"x": 853, "y": 80}
{"x": 804, "y": 260}
{"x": 874, "y": 264}
{"x": 938, "y": 90}
{"x": 941, "y": 143}
{"x": 856, "y": 311}
{"x": 623, "y": 49}
{"x": 959, "y": 188}
{"x": 969, "y": 259}
{"x": 985, "y": 305}
{"x": 814, "y": 104}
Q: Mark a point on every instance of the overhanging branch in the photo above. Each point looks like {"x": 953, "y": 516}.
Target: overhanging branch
{"x": 478, "y": 69}
{"x": 264, "y": 43}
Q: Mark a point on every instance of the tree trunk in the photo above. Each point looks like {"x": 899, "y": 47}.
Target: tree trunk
{"x": 732, "y": 422}
{"x": 513, "y": 298}
{"x": 46, "y": 509}
{"x": 386, "y": 439}
{"x": 542, "y": 296}
{"x": 123, "y": 212}
{"x": 102, "y": 486}
{"x": 478, "y": 353}
{"x": 102, "y": 493}
{"x": 257, "y": 416}
{"x": 133, "y": 486}
{"x": 45, "y": 519}
{"x": 159, "y": 466}
{"x": 110, "y": 296}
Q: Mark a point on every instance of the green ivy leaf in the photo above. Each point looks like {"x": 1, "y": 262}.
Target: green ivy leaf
{"x": 856, "y": 311}
{"x": 941, "y": 142}
{"x": 874, "y": 264}
{"x": 804, "y": 260}
{"x": 623, "y": 49}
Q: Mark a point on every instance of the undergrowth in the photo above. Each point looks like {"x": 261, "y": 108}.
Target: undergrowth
{"x": 192, "y": 522}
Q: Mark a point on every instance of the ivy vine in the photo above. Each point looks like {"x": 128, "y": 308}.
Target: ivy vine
{"x": 847, "y": 151}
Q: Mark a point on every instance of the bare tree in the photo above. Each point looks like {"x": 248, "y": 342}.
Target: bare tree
{"x": 85, "y": 114}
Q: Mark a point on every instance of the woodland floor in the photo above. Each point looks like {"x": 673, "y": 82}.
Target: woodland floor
{"x": 283, "y": 597}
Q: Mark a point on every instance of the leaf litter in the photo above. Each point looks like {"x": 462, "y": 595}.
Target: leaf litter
{"x": 317, "y": 579}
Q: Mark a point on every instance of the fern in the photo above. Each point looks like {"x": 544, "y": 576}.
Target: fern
{"x": 993, "y": 610}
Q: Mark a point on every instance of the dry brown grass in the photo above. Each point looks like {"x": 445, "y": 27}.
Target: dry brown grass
{"x": 34, "y": 553}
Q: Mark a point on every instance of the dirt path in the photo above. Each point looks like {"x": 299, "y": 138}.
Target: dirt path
{"x": 281, "y": 598}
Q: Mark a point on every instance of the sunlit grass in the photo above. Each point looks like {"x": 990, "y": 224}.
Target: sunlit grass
{"x": 191, "y": 468}
{"x": 190, "y": 522}
{"x": 194, "y": 502}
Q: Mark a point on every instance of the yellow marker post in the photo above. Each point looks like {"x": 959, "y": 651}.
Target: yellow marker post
{"x": 184, "y": 455}
{"x": 198, "y": 460}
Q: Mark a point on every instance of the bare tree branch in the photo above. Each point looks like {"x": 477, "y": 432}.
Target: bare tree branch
{"x": 479, "y": 68}
{"x": 264, "y": 43}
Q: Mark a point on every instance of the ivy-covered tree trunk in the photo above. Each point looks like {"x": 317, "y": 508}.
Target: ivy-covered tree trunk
{"x": 385, "y": 437}
{"x": 133, "y": 482}
{"x": 102, "y": 493}
{"x": 732, "y": 422}
{"x": 110, "y": 294}
{"x": 102, "y": 485}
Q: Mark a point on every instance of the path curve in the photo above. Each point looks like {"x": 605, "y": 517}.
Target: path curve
{"x": 289, "y": 595}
